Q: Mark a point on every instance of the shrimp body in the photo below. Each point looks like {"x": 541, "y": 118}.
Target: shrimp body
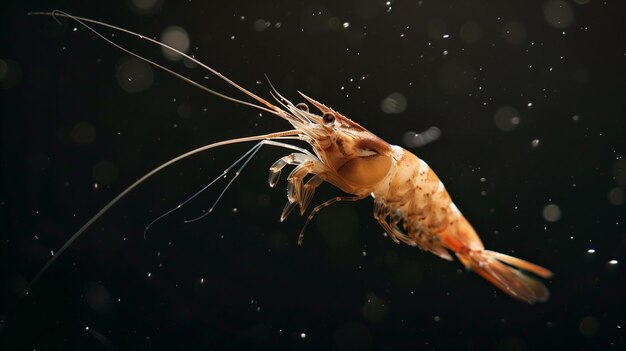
{"x": 410, "y": 202}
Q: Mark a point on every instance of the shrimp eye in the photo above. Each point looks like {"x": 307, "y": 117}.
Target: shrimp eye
{"x": 328, "y": 118}
{"x": 302, "y": 106}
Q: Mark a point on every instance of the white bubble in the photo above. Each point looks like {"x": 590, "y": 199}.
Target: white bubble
{"x": 613, "y": 262}
{"x": 145, "y": 7}
{"x": 302, "y": 335}
{"x": 534, "y": 143}
{"x": 506, "y": 118}
{"x": 394, "y": 103}
{"x": 346, "y": 24}
{"x": 177, "y": 38}
{"x": 551, "y": 213}
{"x": 558, "y": 13}
{"x": 591, "y": 251}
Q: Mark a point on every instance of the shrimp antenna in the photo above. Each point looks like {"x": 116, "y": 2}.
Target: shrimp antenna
{"x": 82, "y": 229}
{"x": 83, "y": 22}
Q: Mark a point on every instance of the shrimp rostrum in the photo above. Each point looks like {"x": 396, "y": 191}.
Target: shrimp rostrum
{"x": 410, "y": 202}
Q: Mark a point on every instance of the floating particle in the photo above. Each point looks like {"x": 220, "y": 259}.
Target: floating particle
{"x": 346, "y": 24}
{"x": 302, "y": 335}
{"x": 591, "y": 251}
{"x": 613, "y": 262}
{"x": 534, "y": 143}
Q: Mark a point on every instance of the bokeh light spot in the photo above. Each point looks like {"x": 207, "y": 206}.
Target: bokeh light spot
{"x": 558, "y": 13}
{"x": 83, "y": 133}
{"x": 98, "y": 297}
{"x": 589, "y": 326}
{"x": 616, "y": 196}
{"x": 551, "y": 213}
{"x": 146, "y": 6}
{"x": 394, "y": 103}
{"x": 413, "y": 139}
{"x": 134, "y": 75}
{"x": 177, "y": 38}
{"x": 506, "y": 118}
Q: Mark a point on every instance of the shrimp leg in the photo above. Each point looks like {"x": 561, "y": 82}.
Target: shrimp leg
{"x": 323, "y": 205}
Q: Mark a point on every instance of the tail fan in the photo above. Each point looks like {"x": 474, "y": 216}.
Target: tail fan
{"x": 505, "y": 272}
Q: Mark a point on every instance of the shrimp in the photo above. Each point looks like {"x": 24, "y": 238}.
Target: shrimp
{"x": 410, "y": 202}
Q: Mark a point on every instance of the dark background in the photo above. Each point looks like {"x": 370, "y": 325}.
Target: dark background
{"x": 237, "y": 279}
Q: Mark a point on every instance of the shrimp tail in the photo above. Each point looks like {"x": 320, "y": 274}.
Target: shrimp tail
{"x": 507, "y": 273}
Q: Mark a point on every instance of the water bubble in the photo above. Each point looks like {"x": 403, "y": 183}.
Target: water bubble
{"x": 534, "y": 143}
{"x": 591, "y": 251}
{"x": 558, "y": 13}
{"x": 551, "y": 213}
{"x": 177, "y": 38}
{"x": 613, "y": 262}
{"x": 302, "y": 335}
{"x": 346, "y": 25}
{"x": 506, "y": 118}
{"x": 394, "y": 103}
